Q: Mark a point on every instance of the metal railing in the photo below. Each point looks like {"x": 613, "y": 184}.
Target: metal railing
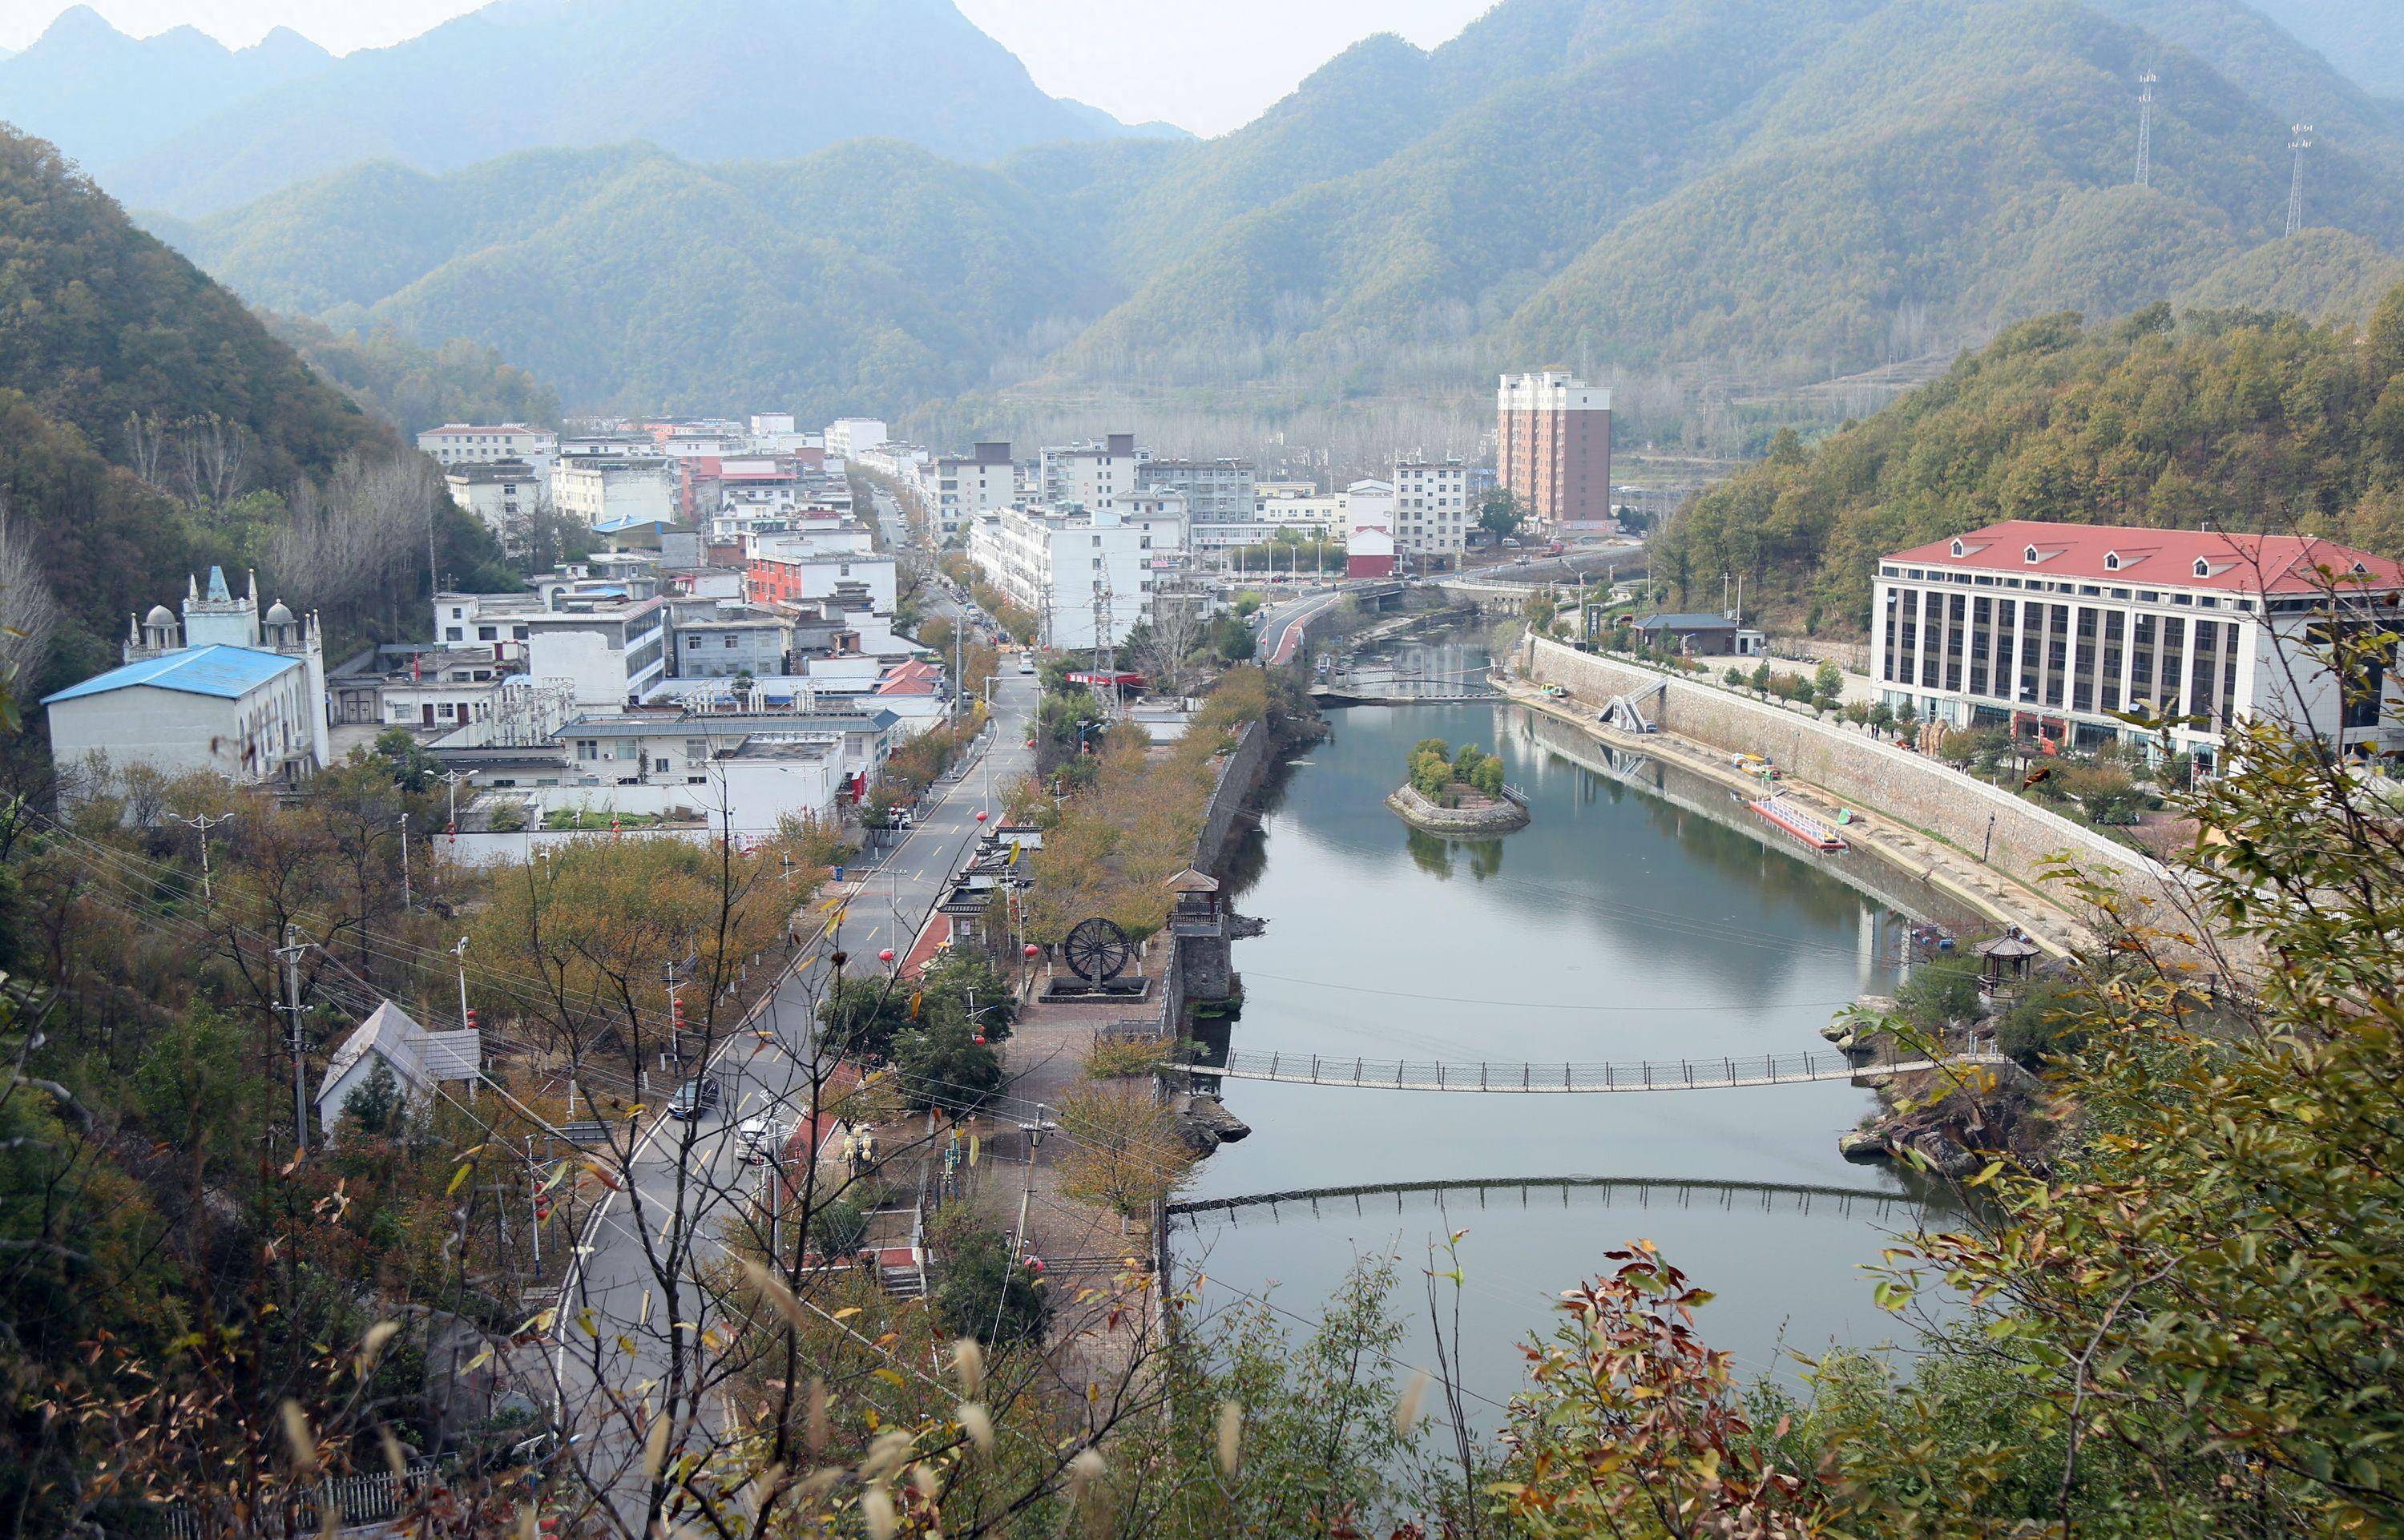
{"x": 1682, "y": 1074}
{"x": 367, "y": 1498}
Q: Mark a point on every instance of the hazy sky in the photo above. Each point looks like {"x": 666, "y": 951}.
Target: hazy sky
{"x": 1205, "y": 64}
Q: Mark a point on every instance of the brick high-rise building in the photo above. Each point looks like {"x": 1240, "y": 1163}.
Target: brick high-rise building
{"x": 1553, "y": 447}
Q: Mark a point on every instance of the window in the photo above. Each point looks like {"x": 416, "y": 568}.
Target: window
{"x": 2112, "y": 561}
{"x": 2203, "y": 568}
{"x": 660, "y": 766}
{"x": 586, "y": 748}
{"x": 1957, "y": 548}
{"x": 690, "y": 643}
{"x": 2029, "y": 555}
{"x": 454, "y": 634}
{"x": 488, "y": 633}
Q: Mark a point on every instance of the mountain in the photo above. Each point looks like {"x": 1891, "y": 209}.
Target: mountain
{"x": 104, "y": 97}
{"x": 870, "y": 272}
{"x": 709, "y": 79}
{"x": 416, "y": 387}
{"x": 2365, "y": 38}
{"x": 102, "y": 324}
{"x": 1741, "y": 191}
{"x": 2238, "y": 421}
{"x": 2273, "y": 62}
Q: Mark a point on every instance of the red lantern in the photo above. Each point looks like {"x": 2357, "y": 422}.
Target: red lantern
{"x": 980, "y": 816}
{"x": 979, "y": 1040}
{"x": 884, "y": 956}
{"x": 1031, "y": 950}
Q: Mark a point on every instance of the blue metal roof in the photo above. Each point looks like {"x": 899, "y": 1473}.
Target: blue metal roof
{"x": 226, "y": 672}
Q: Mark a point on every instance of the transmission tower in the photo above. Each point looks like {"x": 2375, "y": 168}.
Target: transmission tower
{"x": 2301, "y": 143}
{"x": 2146, "y": 129}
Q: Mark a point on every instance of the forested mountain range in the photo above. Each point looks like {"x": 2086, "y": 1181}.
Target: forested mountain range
{"x": 1770, "y": 190}
{"x": 2235, "y": 420}
{"x": 175, "y": 123}
{"x": 2357, "y": 36}
{"x": 151, "y": 425}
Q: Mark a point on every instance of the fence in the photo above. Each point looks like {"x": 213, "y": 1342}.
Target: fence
{"x": 367, "y": 1498}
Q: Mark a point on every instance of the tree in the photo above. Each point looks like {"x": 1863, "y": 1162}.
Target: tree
{"x": 943, "y": 1066}
{"x": 862, "y": 1018}
{"x": 1499, "y": 514}
{"x": 373, "y": 1107}
{"x": 985, "y": 1293}
{"x": 1828, "y": 679}
{"x": 1124, "y": 1152}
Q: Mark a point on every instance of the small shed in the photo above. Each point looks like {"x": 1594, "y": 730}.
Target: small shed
{"x": 420, "y": 1060}
{"x": 1197, "y": 909}
{"x": 2004, "y": 963}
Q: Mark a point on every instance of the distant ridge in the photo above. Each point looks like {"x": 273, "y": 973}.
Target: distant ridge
{"x": 573, "y": 74}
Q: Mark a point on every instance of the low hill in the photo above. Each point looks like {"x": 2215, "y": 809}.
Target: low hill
{"x": 2236, "y": 419}
{"x": 414, "y": 387}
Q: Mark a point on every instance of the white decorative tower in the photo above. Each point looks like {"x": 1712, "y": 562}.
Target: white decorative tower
{"x": 217, "y": 618}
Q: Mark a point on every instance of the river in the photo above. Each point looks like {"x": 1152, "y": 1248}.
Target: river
{"x": 1621, "y": 925}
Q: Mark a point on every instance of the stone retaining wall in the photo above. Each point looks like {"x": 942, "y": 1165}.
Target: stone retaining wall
{"x": 1421, "y": 812}
{"x": 1851, "y": 765}
{"x": 1239, "y": 776}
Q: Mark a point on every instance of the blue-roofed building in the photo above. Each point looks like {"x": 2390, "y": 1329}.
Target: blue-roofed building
{"x": 225, "y": 689}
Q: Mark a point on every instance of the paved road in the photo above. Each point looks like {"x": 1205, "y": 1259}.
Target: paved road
{"x": 688, "y": 1183}
{"x": 1282, "y": 625}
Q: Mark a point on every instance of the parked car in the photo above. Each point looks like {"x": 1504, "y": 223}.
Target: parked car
{"x": 1027, "y": 662}
{"x": 694, "y": 1098}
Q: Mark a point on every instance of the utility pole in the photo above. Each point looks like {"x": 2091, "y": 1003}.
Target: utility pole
{"x": 205, "y": 822}
{"x": 466, "y": 1018}
{"x": 1034, "y": 1132}
{"x": 289, "y": 955}
{"x": 407, "y": 903}
{"x": 2297, "y": 146}
{"x": 2146, "y": 128}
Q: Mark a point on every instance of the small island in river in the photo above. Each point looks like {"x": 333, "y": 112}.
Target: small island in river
{"x": 1453, "y": 792}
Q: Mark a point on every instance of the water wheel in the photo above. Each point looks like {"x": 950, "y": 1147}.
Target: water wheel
{"x": 1097, "y": 950}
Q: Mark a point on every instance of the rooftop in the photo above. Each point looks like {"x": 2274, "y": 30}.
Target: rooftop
{"x": 228, "y": 673}
{"x": 2174, "y": 558}
{"x": 1686, "y": 623}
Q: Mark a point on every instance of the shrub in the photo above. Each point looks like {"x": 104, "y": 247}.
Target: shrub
{"x": 1939, "y": 993}
{"x": 2047, "y": 1021}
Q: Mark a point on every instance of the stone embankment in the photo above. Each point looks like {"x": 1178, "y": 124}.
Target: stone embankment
{"x": 1485, "y": 816}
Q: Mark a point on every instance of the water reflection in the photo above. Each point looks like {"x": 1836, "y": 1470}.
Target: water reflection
{"x": 1637, "y": 917}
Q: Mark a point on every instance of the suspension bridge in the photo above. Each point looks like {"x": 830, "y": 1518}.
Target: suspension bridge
{"x": 1684, "y": 1193}
{"x": 1727, "y": 1073}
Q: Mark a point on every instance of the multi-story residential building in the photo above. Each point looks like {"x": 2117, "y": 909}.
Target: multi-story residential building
{"x": 751, "y": 767}
{"x": 1431, "y": 516}
{"x": 598, "y": 490}
{"x": 2051, "y": 629}
{"x": 226, "y": 689}
{"x": 966, "y": 486}
{"x": 469, "y": 443}
{"x": 613, "y": 650}
{"x": 1298, "y": 506}
{"x": 849, "y": 436}
{"x": 1092, "y": 476}
{"x": 1553, "y": 447}
{"x": 441, "y": 690}
{"x": 1084, "y": 576}
{"x": 727, "y": 641}
{"x": 856, "y": 582}
{"x": 1215, "y": 491}
{"x": 499, "y": 492}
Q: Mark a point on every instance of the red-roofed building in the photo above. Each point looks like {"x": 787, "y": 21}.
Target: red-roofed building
{"x": 2058, "y": 629}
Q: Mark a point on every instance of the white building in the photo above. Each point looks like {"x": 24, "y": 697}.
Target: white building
{"x": 497, "y": 492}
{"x": 1085, "y": 576}
{"x": 444, "y": 690}
{"x": 751, "y": 767}
{"x": 2051, "y": 629}
{"x": 732, "y": 640}
{"x": 1300, "y": 506}
{"x": 420, "y": 1061}
{"x": 966, "y": 486}
{"x": 849, "y": 436}
{"x": 611, "y": 651}
{"x": 857, "y": 583}
{"x": 1092, "y": 476}
{"x": 606, "y": 490}
{"x": 1432, "y": 508}
{"x": 228, "y": 690}
{"x": 469, "y": 443}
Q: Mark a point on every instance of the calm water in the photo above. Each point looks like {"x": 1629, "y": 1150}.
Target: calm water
{"x": 1620, "y": 925}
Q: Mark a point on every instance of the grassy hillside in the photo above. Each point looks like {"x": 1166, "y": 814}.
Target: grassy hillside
{"x": 2238, "y": 419}
{"x": 414, "y": 387}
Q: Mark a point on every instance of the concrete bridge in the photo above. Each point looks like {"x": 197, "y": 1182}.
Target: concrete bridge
{"x": 1558, "y": 1078}
{"x": 1647, "y": 1191}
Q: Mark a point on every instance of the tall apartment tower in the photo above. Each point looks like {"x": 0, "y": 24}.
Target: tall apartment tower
{"x": 1553, "y": 447}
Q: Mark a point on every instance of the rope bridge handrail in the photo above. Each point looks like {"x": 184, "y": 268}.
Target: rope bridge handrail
{"x": 1684, "y": 1074}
